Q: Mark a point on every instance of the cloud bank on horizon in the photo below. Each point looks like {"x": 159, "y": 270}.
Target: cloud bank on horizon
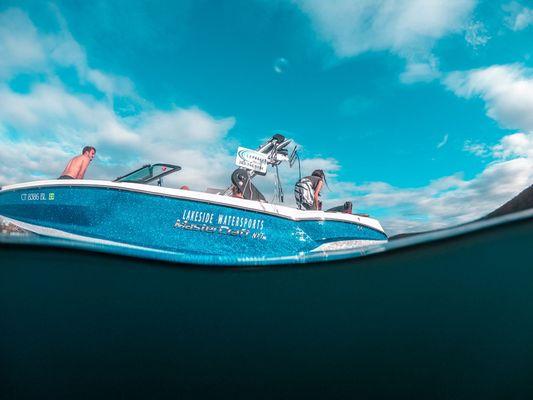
{"x": 53, "y": 101}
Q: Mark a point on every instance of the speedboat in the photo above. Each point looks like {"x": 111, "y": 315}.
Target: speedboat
{"x": 137, "y": 211}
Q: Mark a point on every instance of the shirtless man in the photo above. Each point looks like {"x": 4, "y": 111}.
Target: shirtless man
{"x": 78, "y": 165}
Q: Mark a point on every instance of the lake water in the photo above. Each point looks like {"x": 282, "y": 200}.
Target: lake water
{"x": 447, "y": 315}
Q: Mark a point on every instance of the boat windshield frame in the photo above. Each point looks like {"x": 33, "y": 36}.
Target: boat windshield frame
{"x": 149, "y": 176}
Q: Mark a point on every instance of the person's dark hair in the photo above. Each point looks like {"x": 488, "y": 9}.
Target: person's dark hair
{"x": 87, "y": 149}
{"x": 320, "y": 173}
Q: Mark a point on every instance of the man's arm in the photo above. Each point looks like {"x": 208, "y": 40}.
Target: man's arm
{"x": 317, "y": 192}
{"x": 83, "y": 167}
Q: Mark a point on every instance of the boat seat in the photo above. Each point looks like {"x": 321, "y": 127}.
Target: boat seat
{"x": 345, "y": 208}
{"x": 242, "y": 181}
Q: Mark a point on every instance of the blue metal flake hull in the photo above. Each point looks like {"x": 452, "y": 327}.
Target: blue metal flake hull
{"x": 173, "y": 224}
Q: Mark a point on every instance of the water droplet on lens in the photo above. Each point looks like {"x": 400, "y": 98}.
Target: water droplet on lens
{"x": 281, "y": 65}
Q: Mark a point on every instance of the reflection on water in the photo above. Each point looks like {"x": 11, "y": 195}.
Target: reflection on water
{"x": 8, "y": 229}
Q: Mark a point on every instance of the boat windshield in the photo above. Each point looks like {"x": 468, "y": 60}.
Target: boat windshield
{"x": 148, "y": 173}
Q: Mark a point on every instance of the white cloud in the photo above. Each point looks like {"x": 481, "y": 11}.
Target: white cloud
{"x": 19, "y": 44}
{"x": 27, "y": 111}
{"x": 24, "y": 49}
{"x": 425, "y": 71}
{"x": 26, "y": 160}
{"x": 515, "y": 145}
{"x": 478, "y": 149}
{"x": 50, "y": 114}
{"x": 443, "y": 142}
{"x": 449, "y": 200}
{"x": 330, "y": 165}
{"x": 194, "y": 140}
{"x": 408, "y": 28}
{"x": 506, "y": 89}
{"x": 524, "y": 19}
{"x": 403, "y": 26}
{"x": 519, "y": 17}
{"x": 444, "y": 202}
{"x": 42, "y": 128}
{"x": 184, "y": 126}
{"x": 476, "y": 34}
{"x": 65, "y": 51}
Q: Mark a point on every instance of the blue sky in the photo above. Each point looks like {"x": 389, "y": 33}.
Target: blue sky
{"x": 421, "y": 111}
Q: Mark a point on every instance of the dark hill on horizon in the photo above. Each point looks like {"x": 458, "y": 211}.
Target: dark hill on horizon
{"x": 522, "y": 201}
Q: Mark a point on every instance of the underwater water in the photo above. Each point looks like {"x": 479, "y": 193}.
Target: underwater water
{"x": 442, "y": 316}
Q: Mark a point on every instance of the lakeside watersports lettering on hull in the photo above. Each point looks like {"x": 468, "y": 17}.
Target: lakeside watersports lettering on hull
{"x": 222, "y": 224}
{"x": 243, "y": 222}
{"x": 222, "y": 219}
{"x": 197, "y": 216}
